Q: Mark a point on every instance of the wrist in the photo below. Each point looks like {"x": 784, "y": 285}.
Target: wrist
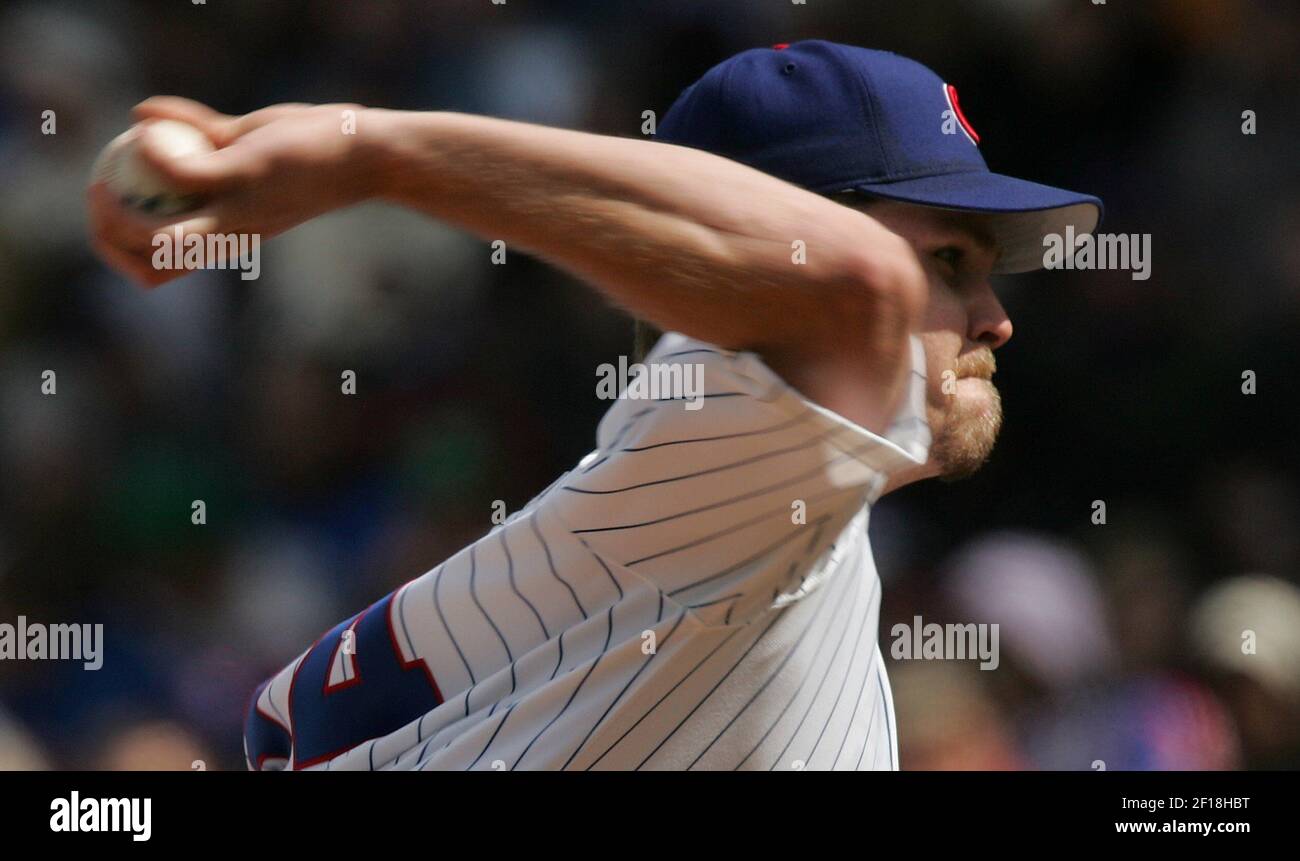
{"x": 378, "y": 155}
{"x": 366, "y": 161}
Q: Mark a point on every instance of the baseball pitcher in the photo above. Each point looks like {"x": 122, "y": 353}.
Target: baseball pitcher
{"x": 814, "y": 229}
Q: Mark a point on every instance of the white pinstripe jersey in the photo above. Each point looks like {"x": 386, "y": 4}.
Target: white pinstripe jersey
{"x": 663, "y": 605}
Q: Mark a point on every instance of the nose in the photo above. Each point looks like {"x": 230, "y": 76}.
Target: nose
{"x": 988, "y": 321}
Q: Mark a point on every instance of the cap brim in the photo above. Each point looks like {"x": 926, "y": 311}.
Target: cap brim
{"x": 1021, "y": 213}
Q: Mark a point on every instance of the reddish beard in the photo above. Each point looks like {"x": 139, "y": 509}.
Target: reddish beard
{"x": 966, "y": 439}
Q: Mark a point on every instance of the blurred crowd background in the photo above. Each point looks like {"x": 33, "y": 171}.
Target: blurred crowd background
{"x": 1121, "y": 643}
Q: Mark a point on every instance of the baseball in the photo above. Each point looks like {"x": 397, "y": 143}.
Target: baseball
{"x": 135, "y": 183}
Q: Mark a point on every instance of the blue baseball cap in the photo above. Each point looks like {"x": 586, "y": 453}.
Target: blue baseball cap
{"x": 834, "y": 118}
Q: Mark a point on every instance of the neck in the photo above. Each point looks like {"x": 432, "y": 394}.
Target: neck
{"x": 911, "y": 475}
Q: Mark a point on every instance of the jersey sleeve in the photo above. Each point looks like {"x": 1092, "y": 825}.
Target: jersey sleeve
{"x": 728, "y": 498}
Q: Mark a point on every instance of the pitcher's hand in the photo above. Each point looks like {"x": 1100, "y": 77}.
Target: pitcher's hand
{"x": 272, "y": 170}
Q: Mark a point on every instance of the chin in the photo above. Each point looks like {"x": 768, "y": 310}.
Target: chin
{"x": 969, "y": 430}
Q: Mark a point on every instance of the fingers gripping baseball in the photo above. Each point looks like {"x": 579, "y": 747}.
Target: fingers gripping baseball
{"x": 194, "y": 173}
{"x": 257, "y": 174}
{"x": 220, "y": 128}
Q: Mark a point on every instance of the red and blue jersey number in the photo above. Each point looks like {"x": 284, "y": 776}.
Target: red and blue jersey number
{"x": 352, "y": 686}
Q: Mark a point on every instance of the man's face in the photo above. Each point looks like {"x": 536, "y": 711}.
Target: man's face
{"x": 964, "y": 323}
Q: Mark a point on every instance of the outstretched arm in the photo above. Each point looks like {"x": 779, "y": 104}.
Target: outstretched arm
{"x": 685, "y": 239}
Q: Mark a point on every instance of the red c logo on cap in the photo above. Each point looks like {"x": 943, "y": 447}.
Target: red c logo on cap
{"x": 951, "y": 93}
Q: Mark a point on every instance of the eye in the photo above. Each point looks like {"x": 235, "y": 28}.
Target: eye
{"x": 949, "y": 255}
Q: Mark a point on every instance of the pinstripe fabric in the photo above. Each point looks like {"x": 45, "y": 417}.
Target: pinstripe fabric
{"x": 697, "y": 593}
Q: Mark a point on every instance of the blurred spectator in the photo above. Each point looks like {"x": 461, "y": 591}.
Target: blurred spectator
{"x": 1044, "y": 598}
{"x": 1168, "y": 723}
{"x": 952, "y": 722}
{"x": 153, "y": 746}
{"x": 1248, "y": 628}
{"x": 19, "y": 750}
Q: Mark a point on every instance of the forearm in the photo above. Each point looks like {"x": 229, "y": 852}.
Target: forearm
{"x": 683, "y": 238}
